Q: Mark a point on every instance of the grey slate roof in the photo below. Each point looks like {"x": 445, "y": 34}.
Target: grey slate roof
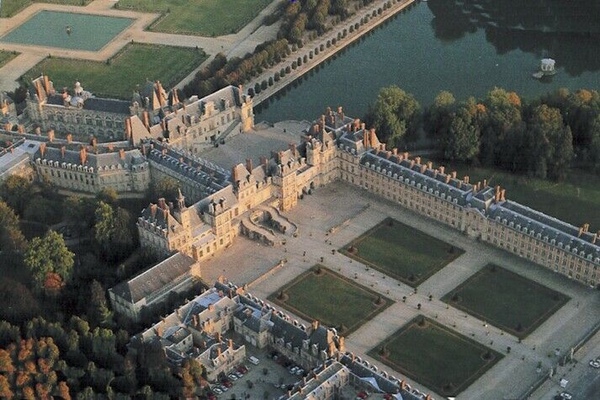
{"x": 101, "y": 160}
{"x": 96, "y": 104}
{"x": 165, "y": 273}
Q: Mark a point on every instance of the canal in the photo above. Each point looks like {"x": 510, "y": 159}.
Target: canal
{"x": 466, "y": 47}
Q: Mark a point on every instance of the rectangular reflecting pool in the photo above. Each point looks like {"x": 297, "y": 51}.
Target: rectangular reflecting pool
{"x": 67, "y": 30}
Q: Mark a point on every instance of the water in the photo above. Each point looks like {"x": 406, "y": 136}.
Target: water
{"x": 68, "y": 30}
{"x": 467, "y": 49}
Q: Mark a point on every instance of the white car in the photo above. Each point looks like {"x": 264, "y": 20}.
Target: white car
{"x": 232, "y": 377}
{"x": 595, "y": 363}
{"x": 566, "y": 396}
{"x": 217, "y": 390}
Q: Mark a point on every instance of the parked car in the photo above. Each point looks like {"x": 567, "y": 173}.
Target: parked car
{"x": 217, "y": 390}
{"x": 299, "y": 371}
{"x": 233, "y": 377}
{"x": 595, "y": 363}
{"x": 253, "y": 360}
{"x": 566, "y": 395}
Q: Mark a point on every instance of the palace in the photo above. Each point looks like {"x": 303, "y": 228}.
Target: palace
{"x": 163, "y": 137}
{"x": 250, "y": 200}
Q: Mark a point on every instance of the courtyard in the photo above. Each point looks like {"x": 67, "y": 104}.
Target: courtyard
{"x": 321, "y": 294}
{"x": 436, "y": 356}
{"x": 401, "y": 252}
{"x": 507, "y": 300}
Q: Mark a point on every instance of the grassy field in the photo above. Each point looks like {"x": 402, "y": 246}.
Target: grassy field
{"x": 199, "y": 17}
{"x": 506, "y": 300}
{"x": 401, "y": 252}
{"x": 131, "y": 67}
{"x": 574, "y": 201}
{"x": 435, "y": 356}
{"x": 6, "y": 56}
{"x": 333, "y": 300}
{"x": 11, "y": 7}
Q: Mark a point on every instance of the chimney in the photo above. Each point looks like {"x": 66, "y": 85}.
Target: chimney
{"x": 162, "y": 203}
{"x": 395, "y": 151}
{"x": 580, "y": 232}
{"x": 69, "y": 138}
{"x": 83, "y": 155}
{"x": 441, "y": 168}
{"x": 340, "y": 112}
{"x": 122, "y": 154}
{"x": 263, "y": 161}
{"x": 586, "y": 227}
{"x": 234, "y": 175}
{"x": 595, "y": 237}
{"x": 94, "y": 142}
{"x": 502, "y": 195}
{"x": 447, "y": 178}
{"x": 293, "y": 149}
{"x": 429, "y": 165}
{"x": 146, "y": 120}
{"x": 249, "y": 165}
{"x": 230, "y": 343}
{"x": 42, "y": 149}
{"x": 315, "y": 325}
{"x": 485, "y": 183}
{"x": 418, "y": 160}
{"x": 405, "y": 155}
{"x": 63, "y": 149}
{"x": 50, "y": 135}
{"x": 466, "y": 179}
{"x": 362, "y": 126}
{"x": 453, "y": 174}
{"x": 153, "y": 208}
{"x": 218, "y": 351}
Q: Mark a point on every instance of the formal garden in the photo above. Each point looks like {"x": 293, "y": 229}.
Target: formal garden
{"x": 122, "y": 74}
{"x": 435, "y": 356}
{"x": 323, "y": 295}
{"x": 507, "y": 300}
{"x": 199, "y": 17}
{"x": 402, "y": 252}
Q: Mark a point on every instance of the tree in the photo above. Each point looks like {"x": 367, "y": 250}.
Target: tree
{"x": 16, "y": 191}
{"x": 550, "y": 148}
{"x": 112, "y": 232}
{"x": 395, "y": 114}
{"x": 98, "y": 312}
{"x": 166, "y": 188}
{"x": 11, "y": 237}
{"x": 460, "y": 139}
{"x": 47, "y": 255}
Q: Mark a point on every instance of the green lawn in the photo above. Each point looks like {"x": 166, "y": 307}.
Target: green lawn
{"x": 574, "y": 201}
{"x": 507, "y": 300}
{"x": 6, "y": 56}
{"x": 401, "y": 252}
{"x": 331, "y": 299}
{"x": 11, "y": 7}
{"x": 435, "y": 356}
{"x": 131, "y": 67}
{"x": 199, "y": 17}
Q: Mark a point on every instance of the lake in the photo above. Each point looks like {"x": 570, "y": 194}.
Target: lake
{"x": 465, "y": 47}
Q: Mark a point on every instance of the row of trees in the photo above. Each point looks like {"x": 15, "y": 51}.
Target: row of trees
{"x": 541, "y": 137}
{"x": 299, "y": 17}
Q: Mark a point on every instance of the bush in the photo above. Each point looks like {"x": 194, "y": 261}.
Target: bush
{"x": 276, "y": 77}
{"x": 294, "y": 65}
{"x": 270, "y": 81}
{"x": 288, "y": 69}
{"x": 257, "y": 88}
{"x": 305, "y": 58}
{"x": 264, "y": 84}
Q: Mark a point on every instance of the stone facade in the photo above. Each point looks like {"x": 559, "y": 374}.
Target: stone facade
{"x": 91, "y": 169}
{"x": 75, "y": 111}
